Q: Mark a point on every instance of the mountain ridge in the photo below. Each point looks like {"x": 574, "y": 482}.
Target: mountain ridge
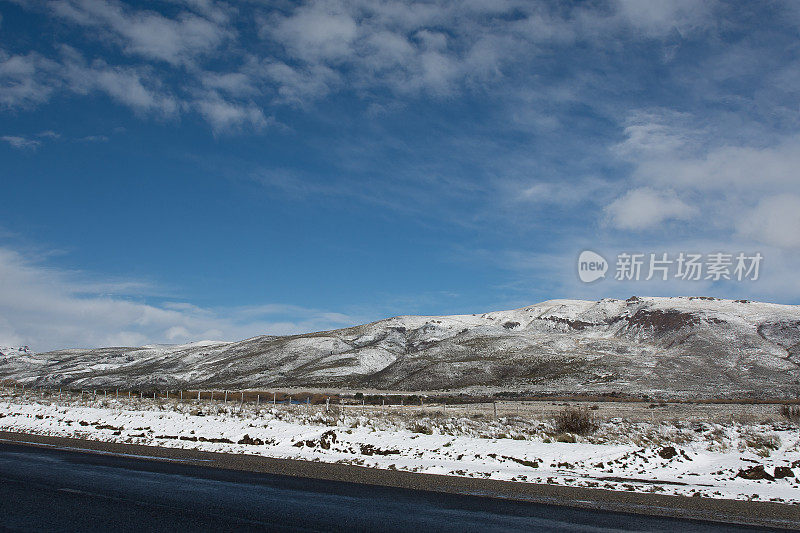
{"x": 660, "y": 346}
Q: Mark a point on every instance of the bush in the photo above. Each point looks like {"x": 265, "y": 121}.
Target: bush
{"x": 565, "y": 437}
{"x": 576, "y": 420}
{"x": 425, "y": 429}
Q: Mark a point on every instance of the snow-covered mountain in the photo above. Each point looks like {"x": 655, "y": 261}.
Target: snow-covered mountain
{"x": 14, "y": 350}
{"x": 687, "y": 347}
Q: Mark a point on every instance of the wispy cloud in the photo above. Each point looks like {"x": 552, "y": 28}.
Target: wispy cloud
{"x": 94, "y": 139}
{"x": 225, "y": 116}
{"x": 147, "y": 33}
{"x": 316, "y": 48}
{"x": 49, "y": 308}
{"x": 26, "y": 79}
{"x": 21, "y": 143}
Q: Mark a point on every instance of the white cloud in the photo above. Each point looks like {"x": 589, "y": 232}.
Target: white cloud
{"x": 146, "y": 33}
{"x": 313, "y": 49}
{"x": 411, "y": 47}
{"x": 646, "y": 208}
{"x": 135, "y": 88}
{"x": 557, "y": 193}
{"x": 225, "y": 116}
{"x": 746, "y": 187}
{"x": 314, "y": 32}
{"x": 390, "y": 44}
{"x": 657, "y": 19}
{"x": 298, "y": 85}
{"x": 25, "y": 80}
{"x": 234, "y": 83}
{"x": 775, "y": 220}
{"x": 21, "y": 143}
{"x": 656, "y": 134}
{"x": 48, "y": 308}
{"x": 742, "y": 167}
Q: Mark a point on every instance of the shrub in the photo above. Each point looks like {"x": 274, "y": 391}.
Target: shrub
{"x": 565, "y": 437}
{"x": 421, "y": 428}
{"x": 577, "y": 420}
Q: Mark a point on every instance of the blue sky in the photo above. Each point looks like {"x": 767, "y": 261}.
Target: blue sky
{"x": 180, "y": 170}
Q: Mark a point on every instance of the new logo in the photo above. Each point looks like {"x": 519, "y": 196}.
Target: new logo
{"x": 591, "y": 266}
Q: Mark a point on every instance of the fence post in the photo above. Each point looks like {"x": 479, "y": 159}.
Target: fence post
{"x": 226, "y": 396}
{"x": 181, "y": 394}
{"x": 327, "y": 404}
{"x": 258, "y": 399}
{"x": 273, "y": 398}
{"x": 198, "y": 395}
{"x": 494, "y": 404}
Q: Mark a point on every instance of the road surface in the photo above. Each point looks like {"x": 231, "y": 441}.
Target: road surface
{"x": 62, "y": 490}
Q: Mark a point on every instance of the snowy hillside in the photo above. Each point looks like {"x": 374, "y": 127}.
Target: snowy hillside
{"x": 17, "y": 353}
{"x": 688, "y": 346}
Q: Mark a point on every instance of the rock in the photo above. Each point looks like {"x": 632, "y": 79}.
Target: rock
{"x": 755, "y": 472}
{"x": 667, "y": 452}
{"x": 783, "y": 471}
{"x": 326, "y": 439}
{"x": 369, "y": 449}
{"x": 324, "y": 442}
{"x": 247, "y": 439}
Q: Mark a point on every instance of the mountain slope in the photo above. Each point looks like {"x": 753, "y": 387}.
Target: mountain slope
{"x": 686, "y": 347}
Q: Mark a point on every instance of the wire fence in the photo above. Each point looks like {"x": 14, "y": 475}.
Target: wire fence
{"x": 411, "y": 404}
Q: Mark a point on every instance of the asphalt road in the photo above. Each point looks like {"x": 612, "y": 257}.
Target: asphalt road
{"x": 51, "y": 489}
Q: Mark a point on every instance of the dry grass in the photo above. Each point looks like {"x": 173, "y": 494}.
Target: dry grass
{"x": 790, "y": 412}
